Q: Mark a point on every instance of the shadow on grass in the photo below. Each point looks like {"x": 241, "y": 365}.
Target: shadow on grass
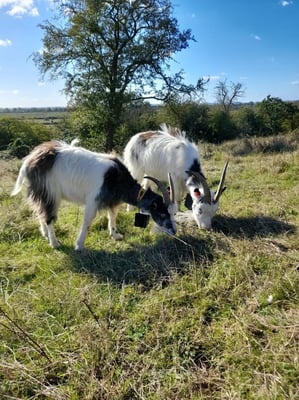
{"x": 251, "y": 227}
{"x": 148, "y": 265}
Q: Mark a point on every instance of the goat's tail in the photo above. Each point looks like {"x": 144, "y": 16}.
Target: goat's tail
{"x": 20, "y": 180}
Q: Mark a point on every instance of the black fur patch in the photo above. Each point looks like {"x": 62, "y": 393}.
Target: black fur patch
{"x": 40, "y": 161}
{"x": 195, "y": 166}
{"x": 120, "y": 187}
{"x": 117, "y": 186}
{"x": 188, "y": 201}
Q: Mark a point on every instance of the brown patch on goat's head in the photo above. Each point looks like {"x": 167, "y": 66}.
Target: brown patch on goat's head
{"x": 43, "y": 156}
{"x": 147, "y": 135}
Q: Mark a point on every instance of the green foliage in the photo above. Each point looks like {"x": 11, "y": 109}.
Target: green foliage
{"x": 221, "y": 126}
{"x": 104, "y": 49}
{"x": 19, "y": 136}
{"x": 191, "y": 117}
{"x": 18, "y": 149}
{"x": 278, "y": 115}
{"x": 212, "y": 316}
{"x": 248, "y": 122}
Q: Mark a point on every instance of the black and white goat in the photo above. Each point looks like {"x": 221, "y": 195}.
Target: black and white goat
{"x": 156, "y": 153}
{"x": 56, "y": 171}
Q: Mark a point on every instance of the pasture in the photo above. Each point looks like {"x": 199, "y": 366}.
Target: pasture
{"x": 45, "y": 116}
{"x": 206, "y": 315}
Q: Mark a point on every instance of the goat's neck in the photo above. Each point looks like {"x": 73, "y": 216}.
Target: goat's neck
{"x": 131, "y": 196}
{"x": 136, "y": 198}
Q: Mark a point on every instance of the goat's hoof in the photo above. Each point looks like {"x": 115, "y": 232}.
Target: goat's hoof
{"x": 117, "y": 236}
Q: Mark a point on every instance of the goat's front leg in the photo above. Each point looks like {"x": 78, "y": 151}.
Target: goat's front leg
{"x": 112, "y": 213}
{"x": 89, "y": 214}
{"x": 43, "y": 228}
{"x": 51, "y": 235}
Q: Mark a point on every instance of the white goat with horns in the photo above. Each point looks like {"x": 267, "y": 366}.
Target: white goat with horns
{"x": 156, "y": 153}
{"x": 56, "y": 171}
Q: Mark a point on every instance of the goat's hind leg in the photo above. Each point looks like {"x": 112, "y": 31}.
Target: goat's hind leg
{"x": 89, "y": 214}
{"x": 48, "y": 232}
{"x": 47, "y": 216}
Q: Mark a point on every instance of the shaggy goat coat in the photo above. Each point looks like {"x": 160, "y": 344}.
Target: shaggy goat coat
{"x": 56, "y": 171}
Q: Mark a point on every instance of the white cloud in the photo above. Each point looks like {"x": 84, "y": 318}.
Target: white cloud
{"x": 295, "y": 83}
{"x": 5, "y": 42}
{"x": 19, "y": 8}
{"x": 7, "y": 92}
{"x": 285, "y": 3}
{"x": 212, "y": 77}
{"x": 256, "y": 37}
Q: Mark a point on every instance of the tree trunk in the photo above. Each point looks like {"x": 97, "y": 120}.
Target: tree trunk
{"x": 110, "y": 133}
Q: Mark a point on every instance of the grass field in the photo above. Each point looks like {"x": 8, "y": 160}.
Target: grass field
{"x": 213, "y": 316}
{"x": 43, "y": 116}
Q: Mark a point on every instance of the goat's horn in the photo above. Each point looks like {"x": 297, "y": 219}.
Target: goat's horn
{"x": 171, "y": 185}
{"x": 206, "y": 191}
{"x": 221, "y": 183}
{"x": 162, "y": 188}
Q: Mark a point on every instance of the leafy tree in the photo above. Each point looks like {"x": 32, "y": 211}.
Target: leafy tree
{"x": 227, "y": 94}
{"x": 191, "y": 117}
{"x": 111, "y": 52}
{"x": 221, "y": 126}
{"x": 248, "y": 122}
{"x": 274, "y": 112}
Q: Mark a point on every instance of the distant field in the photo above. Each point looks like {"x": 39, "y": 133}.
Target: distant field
{"x": 44, "y": 116}
{"x": 212, "y": 316}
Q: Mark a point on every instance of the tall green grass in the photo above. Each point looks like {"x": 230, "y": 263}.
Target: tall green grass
{"x": 212, "y": 316}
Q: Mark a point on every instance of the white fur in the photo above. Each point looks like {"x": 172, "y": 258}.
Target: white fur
{"x": 160, "y": 154}
{"x": 168, "y": 150}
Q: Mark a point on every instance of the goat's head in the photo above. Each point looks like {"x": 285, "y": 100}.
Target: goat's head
{"x": 162, "y": 208}
{"x": 205, "y": 202}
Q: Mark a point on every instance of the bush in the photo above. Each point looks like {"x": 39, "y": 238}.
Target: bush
{"x": 20, "y": 136}
{"x": 18, "y": 149}
{"x": 221, "y": 127}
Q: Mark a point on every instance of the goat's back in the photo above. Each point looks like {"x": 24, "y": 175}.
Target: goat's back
{"x": 157, "y": 153}
{"x": 72, "y": 173}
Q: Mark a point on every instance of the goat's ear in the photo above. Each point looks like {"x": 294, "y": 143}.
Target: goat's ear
{"x": 141, "y": 194}
{"x": 188, "y": 202}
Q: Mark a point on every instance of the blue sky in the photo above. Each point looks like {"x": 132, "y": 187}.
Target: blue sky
{"x": 254, "y": 42}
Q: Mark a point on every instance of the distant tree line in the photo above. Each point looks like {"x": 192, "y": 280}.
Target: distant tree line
{"x": 24, "y": 110}
{"x": 201, "y": 122}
